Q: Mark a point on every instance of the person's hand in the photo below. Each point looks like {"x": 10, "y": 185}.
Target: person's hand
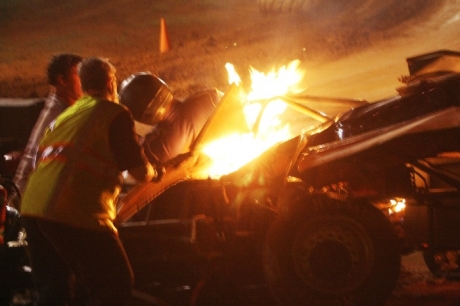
{"x": 181, "y": 159}
{"x": 158, "y": 167}
{"x": 160, "y": 170}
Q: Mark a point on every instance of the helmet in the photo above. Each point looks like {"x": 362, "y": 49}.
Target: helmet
{"x": 146, "y": 96}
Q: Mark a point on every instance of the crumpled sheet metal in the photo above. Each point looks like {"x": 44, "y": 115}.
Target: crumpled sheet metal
{"x": 142, "y": 194}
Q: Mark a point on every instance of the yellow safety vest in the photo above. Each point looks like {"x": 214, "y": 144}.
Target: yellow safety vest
{"x": 77, "y": 179}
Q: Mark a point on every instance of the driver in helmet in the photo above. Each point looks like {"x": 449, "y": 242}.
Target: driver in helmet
{"x": 167, "y": 126}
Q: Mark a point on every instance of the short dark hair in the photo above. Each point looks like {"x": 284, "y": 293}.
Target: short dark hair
{"x": 61, "y": 65}
{"x": 94, "y": 73}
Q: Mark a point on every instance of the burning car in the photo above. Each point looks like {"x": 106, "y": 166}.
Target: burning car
{"x": 322, "y": 217}
{"x": 317, "y": 213}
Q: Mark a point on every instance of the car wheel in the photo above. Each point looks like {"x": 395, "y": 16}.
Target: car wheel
{"x": 331, "y": 252}
{"x": 442, "y": 264}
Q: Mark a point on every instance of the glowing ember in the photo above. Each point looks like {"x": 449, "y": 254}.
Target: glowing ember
{"x": 261, "y": 110}
{"x": 397, "y": 205}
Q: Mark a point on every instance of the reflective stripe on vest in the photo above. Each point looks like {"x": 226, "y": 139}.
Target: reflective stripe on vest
{"x": 88, "y": 160}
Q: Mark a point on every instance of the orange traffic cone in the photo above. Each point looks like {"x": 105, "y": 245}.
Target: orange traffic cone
{"x": 165, "y": 45}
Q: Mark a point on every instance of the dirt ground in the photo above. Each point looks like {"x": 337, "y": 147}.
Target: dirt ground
{"x": 418, "y": 287}
{"x": 352, "y": 49}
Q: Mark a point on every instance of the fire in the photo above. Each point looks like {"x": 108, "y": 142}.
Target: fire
{"x": 261, "y": 110}
{"x": 397, "y": 205}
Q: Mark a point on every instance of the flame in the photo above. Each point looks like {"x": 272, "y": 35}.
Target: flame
{"x": 397, "y": 205}
{"x": 262, "y": 111}
{"x": 275, "y": 83}
{"x": 233, "y": 76}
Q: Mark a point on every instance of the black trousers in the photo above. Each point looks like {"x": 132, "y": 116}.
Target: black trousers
{"x": 77, "y": 266}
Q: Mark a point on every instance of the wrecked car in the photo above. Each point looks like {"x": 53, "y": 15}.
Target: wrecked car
{"x": 316, "y": 218}
{"x": 320, "y": 218}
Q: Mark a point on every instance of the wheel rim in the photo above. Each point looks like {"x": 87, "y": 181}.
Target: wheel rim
{"x": 333, "y": 255}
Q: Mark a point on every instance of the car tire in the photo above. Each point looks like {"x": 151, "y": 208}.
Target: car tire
{"x": 331, "y": 252}
{"x": 437, "y": 264}
{"x": 284, "y": 5}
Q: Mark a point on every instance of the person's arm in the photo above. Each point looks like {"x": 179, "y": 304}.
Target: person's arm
{"x": 185, "y": 120}
{"x": 127, "y": 150}
{"x": 143, "y": 173}
{"x": 51, "y": 110}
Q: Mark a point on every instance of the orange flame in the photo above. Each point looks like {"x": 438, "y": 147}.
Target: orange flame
{"x": 397, "y": 205}
{"x": 261, "y": 112}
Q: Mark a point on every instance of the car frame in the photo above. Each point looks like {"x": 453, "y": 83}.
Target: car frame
{"x": 311, "y": 218}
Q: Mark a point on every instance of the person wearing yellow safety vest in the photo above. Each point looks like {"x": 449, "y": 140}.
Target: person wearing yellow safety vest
{"x": 68, "y": 206}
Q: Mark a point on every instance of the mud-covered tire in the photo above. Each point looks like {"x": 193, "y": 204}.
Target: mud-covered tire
{"x": 284, "y": 5}
{"x": 430, "y": 262}
{"x": 435, "y": 267}
{"x": 329, "y": 252}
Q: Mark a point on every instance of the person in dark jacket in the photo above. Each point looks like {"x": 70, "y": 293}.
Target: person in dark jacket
{"x": 168, "y": 126}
